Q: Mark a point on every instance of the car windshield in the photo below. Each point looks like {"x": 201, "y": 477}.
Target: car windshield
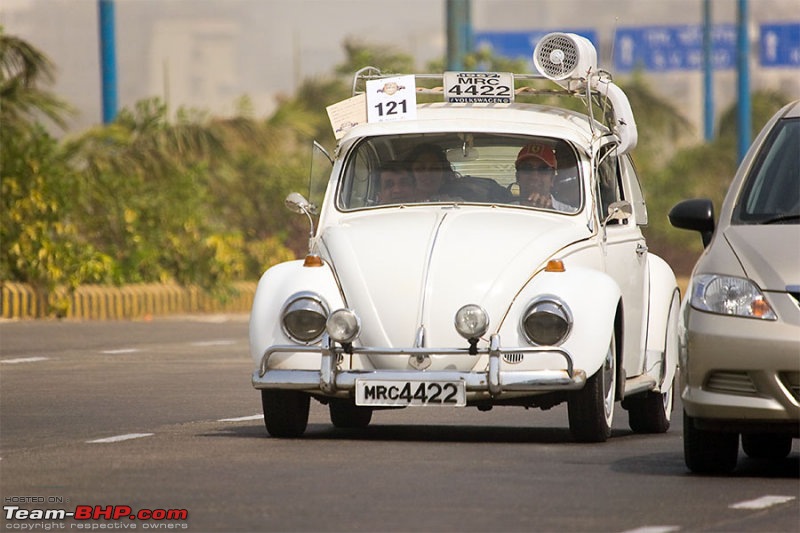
{"x": 475, "y": 168}
{"x": 771, "y": 193}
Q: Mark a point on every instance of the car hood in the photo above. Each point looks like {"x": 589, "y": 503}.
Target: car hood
{"x": 768, "y": 254}
{"x": 409, "y": 267}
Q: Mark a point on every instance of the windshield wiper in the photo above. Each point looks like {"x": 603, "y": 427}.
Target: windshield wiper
{"x": 781, "y": 218}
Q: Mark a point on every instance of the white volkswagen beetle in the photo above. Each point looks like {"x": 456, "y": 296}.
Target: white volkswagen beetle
{"x": 477, "y": 251}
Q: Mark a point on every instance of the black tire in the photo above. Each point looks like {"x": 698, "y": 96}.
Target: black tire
{"x": 285, "y": 412}
{"x": 650, "y": 413}
{"x": 591, "y": 409}
{"x": 346, "y": 414}
{"x": 773, "y": 446}
{"x": 708, "y": 452}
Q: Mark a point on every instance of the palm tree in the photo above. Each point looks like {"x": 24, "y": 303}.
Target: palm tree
{"x": 23, "y": 68}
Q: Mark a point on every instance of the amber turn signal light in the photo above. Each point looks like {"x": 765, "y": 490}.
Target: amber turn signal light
{"x": 555, "y": 265}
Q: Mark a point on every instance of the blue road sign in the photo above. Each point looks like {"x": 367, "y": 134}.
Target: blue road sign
{"x": 520, "y": 44}
{"x": 665, "y": 48}
{"x": 779, "y": 45}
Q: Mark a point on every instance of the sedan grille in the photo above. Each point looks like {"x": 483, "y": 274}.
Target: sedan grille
{"x": 731, "y": 382}
{"x": 791, "y": 380}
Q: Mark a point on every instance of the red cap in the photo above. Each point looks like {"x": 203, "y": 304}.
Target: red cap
{"x": 539, "y": 151}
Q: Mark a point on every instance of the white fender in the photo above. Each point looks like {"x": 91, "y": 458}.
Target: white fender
{"x": 663, "y": 291}
{"x": 274, "y": 288}
{"x": 592, "y": 297}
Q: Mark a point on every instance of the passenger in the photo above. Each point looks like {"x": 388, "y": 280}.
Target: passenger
{"x": 536, "y": 169}
{"x": 431, "y": 170}
{"x": 395, "y": 184}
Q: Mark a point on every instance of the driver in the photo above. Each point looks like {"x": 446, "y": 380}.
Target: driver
{"x": 536, "y": 167}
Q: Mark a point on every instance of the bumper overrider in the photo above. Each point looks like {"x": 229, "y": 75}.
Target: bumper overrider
{"x": 333, "y": 381}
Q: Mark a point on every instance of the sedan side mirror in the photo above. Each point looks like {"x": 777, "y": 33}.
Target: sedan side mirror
{"x": 696, "y": 214}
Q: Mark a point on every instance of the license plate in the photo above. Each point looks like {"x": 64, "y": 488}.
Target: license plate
{"x": 479, "y": 87}
{"x": 407, "y": 393}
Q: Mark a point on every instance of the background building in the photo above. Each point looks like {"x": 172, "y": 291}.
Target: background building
{"x": 208, "y": 53}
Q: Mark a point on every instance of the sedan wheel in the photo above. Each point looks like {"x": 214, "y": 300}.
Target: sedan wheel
{"x": 285, "y": 412}
{"x": 766, "y": 445}
{"x": 346, "y": 414}
{"x": 591, "y": 409}
{"x": 708, "y": 452}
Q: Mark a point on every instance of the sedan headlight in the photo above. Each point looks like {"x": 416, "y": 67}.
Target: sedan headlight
{"x": 547, "y": 321}
{"x": 729, "y": 295}
{"x": 303, "y": 317}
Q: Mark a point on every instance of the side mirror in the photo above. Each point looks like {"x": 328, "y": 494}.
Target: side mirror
{"x": 619, "y": 210}
{"x": 297, "y": 203}
{"x": 696, "y": 214}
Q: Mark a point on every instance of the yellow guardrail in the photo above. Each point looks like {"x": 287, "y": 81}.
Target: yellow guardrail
{"x": 92, "y": 302}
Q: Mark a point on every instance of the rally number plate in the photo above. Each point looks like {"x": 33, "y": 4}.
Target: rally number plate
{"x": 407, "y": 393}
{"x": 479, "y": 87}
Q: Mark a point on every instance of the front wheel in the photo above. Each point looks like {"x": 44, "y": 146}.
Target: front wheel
{"x": 285, "y": 412}
{"x": 591, "y": 409}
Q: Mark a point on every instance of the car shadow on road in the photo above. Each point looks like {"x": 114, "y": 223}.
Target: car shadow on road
{"x": 422, "y": 433}
{"x": 672, "y": 464}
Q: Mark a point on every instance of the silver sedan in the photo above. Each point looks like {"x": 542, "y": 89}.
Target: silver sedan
{"x": 740, "y": 324}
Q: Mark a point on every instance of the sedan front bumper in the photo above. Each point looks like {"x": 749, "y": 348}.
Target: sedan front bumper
{"x": 332, "y": 381}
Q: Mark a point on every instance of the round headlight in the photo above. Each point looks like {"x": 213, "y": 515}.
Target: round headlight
{"x": 303, "y": 317}
{"x": 343, "y": 326}
{"x": 547, "y": 322}
{"x": 471, "y": 321}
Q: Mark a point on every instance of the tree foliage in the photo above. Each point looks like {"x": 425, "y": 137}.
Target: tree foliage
{"x": 698, "y": 171}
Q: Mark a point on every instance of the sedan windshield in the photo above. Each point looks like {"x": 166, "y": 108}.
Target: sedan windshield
{"x": 476, "y": 168}
{"x": 771, "y": 193}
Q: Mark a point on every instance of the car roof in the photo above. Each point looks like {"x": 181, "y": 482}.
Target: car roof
{"x": 531, "y": 119}
{"x": 792, "y": 110}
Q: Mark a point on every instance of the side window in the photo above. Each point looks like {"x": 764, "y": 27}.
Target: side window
{"x": 635, "y": 188}
{"x": 608, "y": 180}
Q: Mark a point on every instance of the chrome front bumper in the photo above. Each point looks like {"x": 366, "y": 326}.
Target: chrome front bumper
{"x": 330, "y": 380}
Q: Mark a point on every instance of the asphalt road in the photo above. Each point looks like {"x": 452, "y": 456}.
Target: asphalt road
{"x": 105, "y": 417}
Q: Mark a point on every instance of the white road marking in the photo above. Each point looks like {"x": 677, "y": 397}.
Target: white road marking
{"x": 23, "y": 360}
{"x": 241, "y": 418}
{"x": 762, "y": 502}
{"x": 226, "y": 342}
{"x": 122, "y": 350}
{"x": 120, "y": 438}
{"x": 653, "y": 529}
